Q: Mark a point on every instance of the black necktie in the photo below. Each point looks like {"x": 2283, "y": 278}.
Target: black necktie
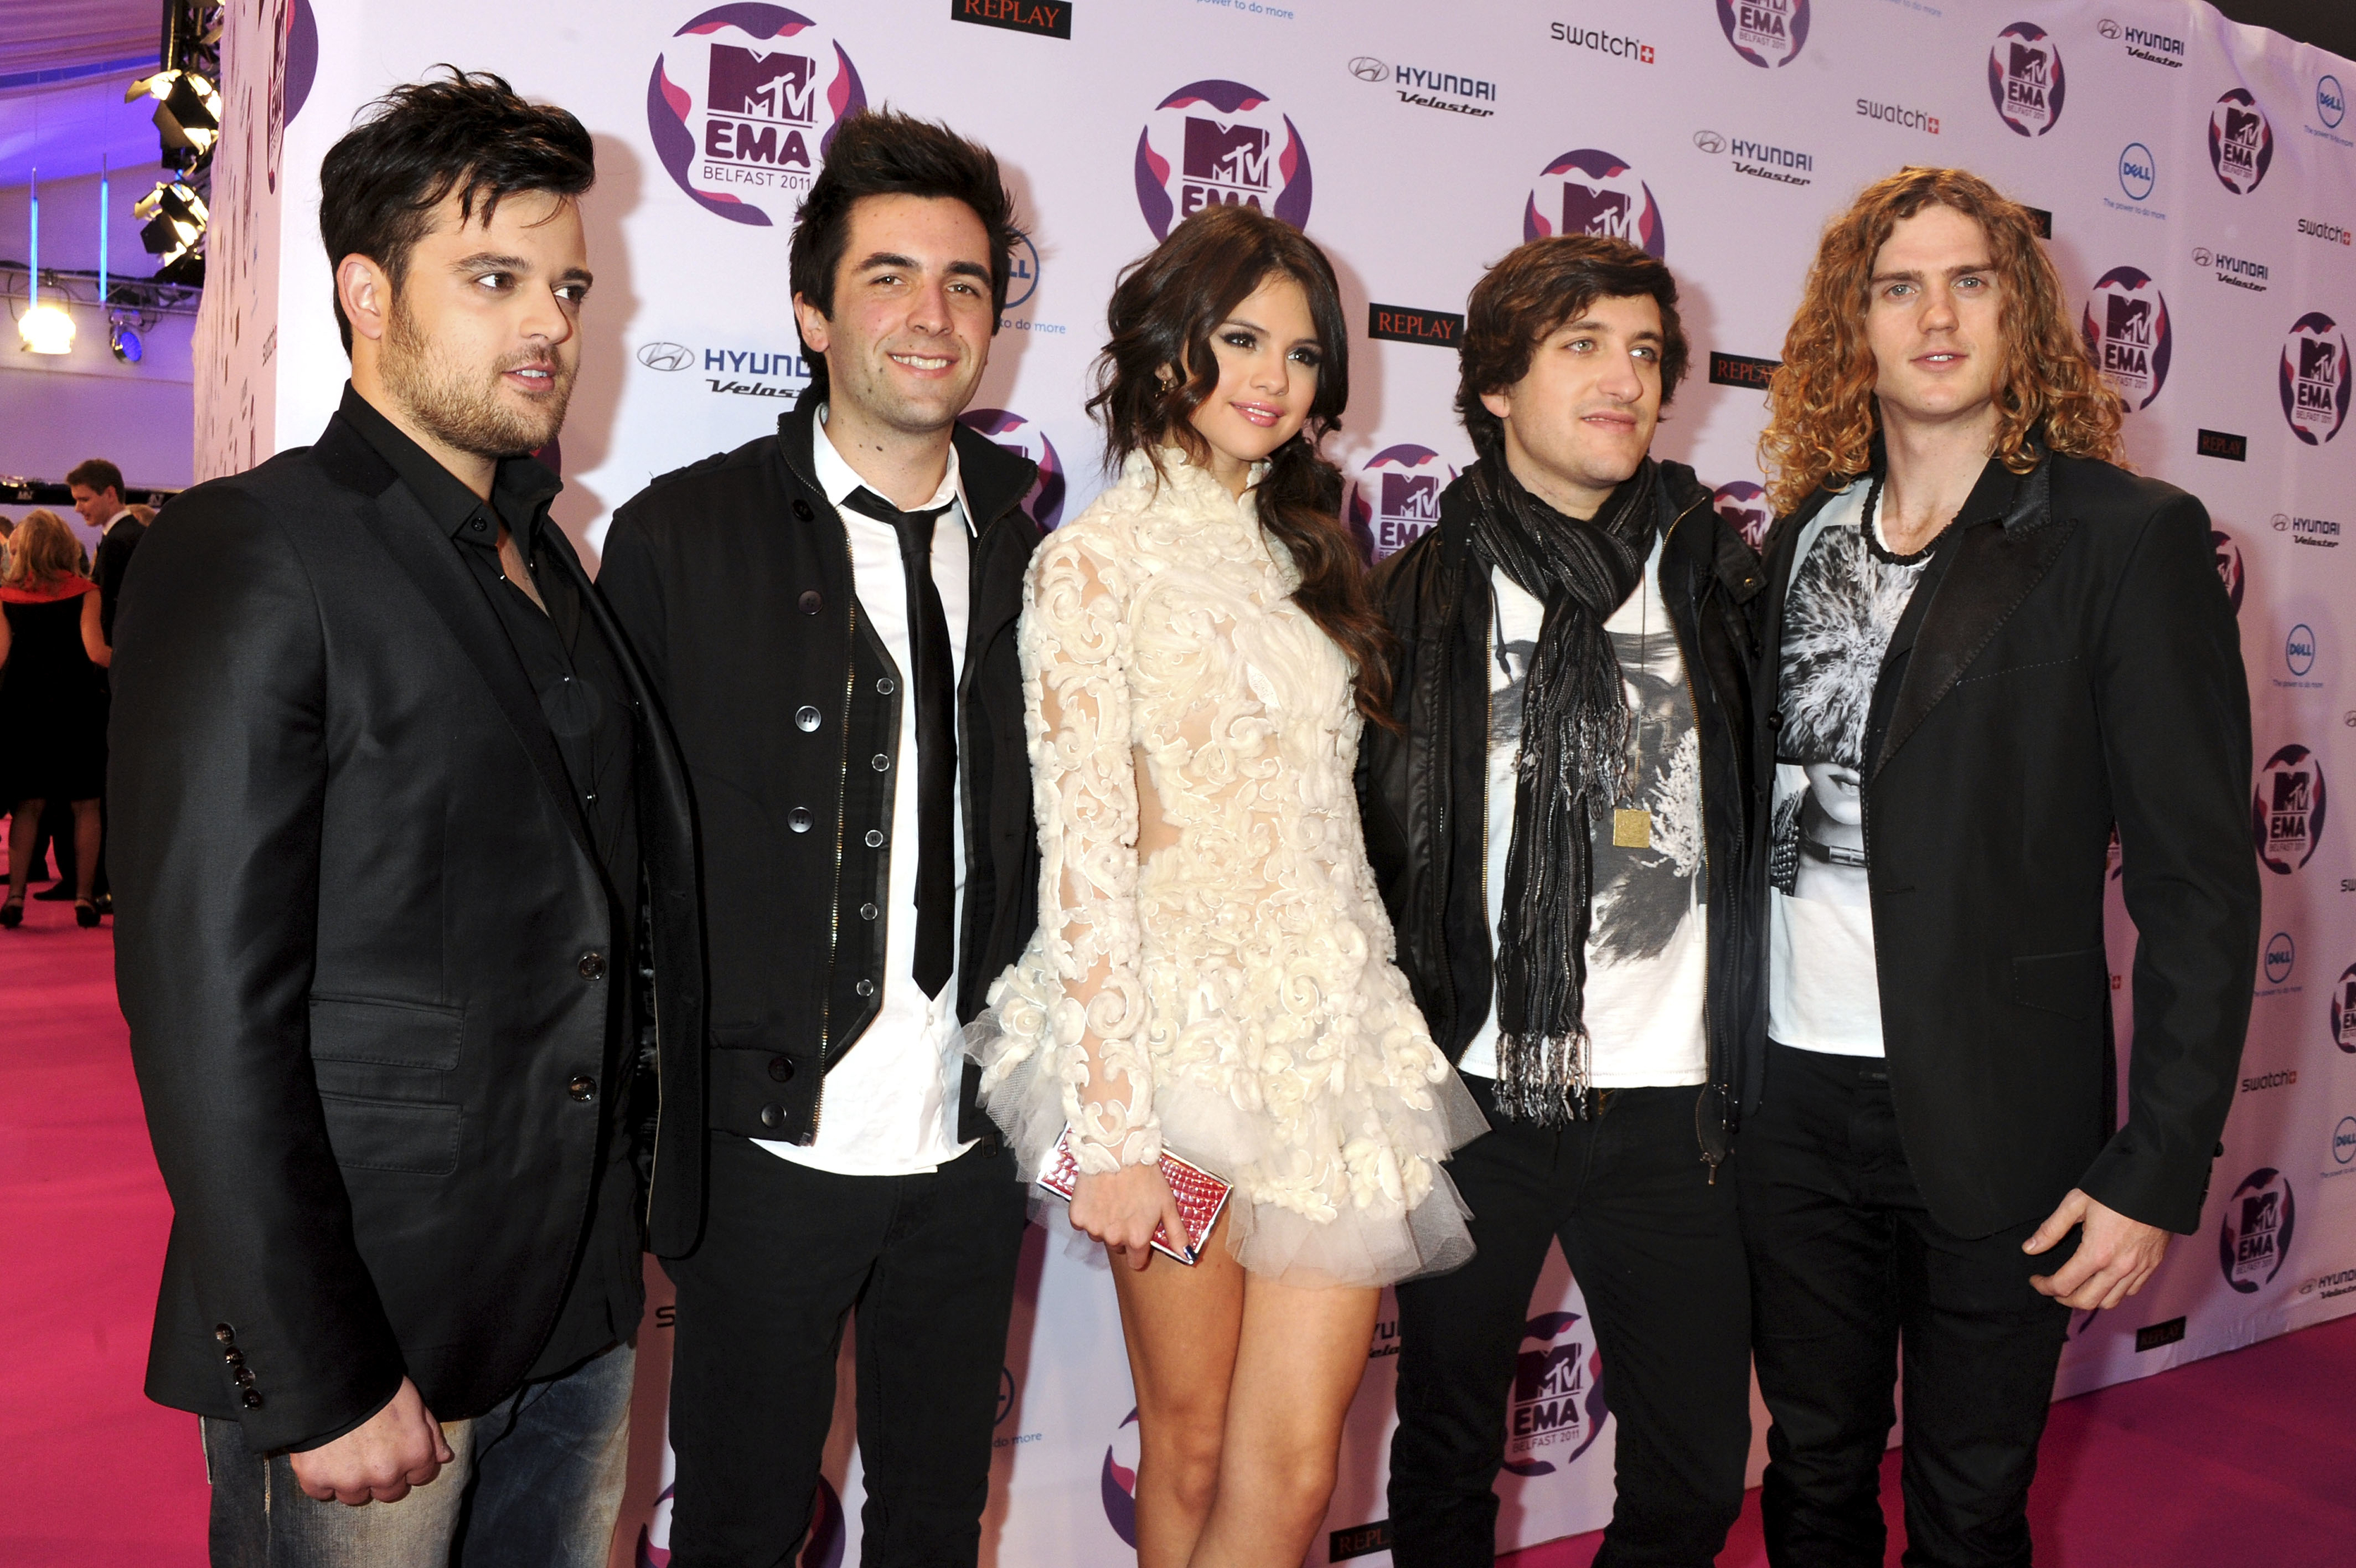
{"x": 928, "y": 640}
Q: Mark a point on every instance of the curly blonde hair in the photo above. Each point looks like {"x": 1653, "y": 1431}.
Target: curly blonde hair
{"x": 42, "y": 551}
{"x": 1821, "y": 410}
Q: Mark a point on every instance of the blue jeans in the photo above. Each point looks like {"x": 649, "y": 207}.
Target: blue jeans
{"x": 536, "y": 1480}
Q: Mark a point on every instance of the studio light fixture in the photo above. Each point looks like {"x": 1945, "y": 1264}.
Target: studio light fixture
{"x": 187, "y": 109}
{"x": 175, "y": 230}
{"x": 43, "y": 328}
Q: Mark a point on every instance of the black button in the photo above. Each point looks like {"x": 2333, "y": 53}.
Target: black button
{"x": 867, "y": 911}
{"x": 887, "y": 686}
{"x": 593, "y": 966}
{"x": 478, "y": 525}
{"x": 773, "y": 1117}
{"x": 875, "y": 838}
{"x": 880, "y": 762}
{"x": 234, "y": 1356}
{"x": 781, "y": 1068}
{"x": 865, "y": 988}
{"x": 243, "y": 1377}
{"x": 810, "y": 602}
{"x": 1775, "y": 718}
{"x": 801, "y": 509}
{"x": 798, "y": 819}
{"x": 583, "y": 1089}
{"x": 224, "y": 1333}
{"x": 806, "y": 719}
{"x": 251, "y": 1401}
{"x": 987, "y": 1148}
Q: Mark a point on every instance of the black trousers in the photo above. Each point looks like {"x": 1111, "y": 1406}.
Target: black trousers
{"x": 1848, "y": 1267}
{"x": 928, "y": 1261}
{"x": 1658, "y": 1250}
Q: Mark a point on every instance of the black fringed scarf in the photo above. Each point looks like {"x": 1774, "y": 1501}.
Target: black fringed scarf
{"x": 1572, "y": 767}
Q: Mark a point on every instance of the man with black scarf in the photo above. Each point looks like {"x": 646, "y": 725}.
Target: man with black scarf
{"x": 1559, "y": 828}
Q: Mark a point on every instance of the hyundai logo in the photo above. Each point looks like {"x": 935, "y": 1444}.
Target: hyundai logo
{"x": 2298, "y": 649}
{"x": 1710, "y": 141}
{"x": 666, "y": 356}
{"x": 2282, "y": 954}
{"x": 2136, "y": 170}
{"x": 2201, "y": 256}
{"x": 2107, "y": 27}
{"x": 2282, "y": 523}
{"x": 1367, "y": 68}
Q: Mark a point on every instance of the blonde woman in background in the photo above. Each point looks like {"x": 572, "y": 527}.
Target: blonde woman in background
{"x": 52, "y": 703}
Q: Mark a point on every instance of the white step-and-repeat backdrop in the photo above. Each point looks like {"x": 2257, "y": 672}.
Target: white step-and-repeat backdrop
{"x": 2201, "y": 178}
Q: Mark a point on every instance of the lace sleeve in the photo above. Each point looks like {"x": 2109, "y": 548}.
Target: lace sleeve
{"x": 1076, "y": 657}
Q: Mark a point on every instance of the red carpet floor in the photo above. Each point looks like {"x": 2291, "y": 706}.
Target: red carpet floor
{"x": 2244, "y": 1459}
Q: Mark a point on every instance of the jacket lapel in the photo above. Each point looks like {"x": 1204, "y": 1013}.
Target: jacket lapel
{"x": 1995, "y": 568}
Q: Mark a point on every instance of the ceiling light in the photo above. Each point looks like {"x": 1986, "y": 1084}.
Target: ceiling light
{"x": 45, "y": 329}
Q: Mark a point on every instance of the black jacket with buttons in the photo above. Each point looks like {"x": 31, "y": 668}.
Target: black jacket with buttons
{"x": 366, "y": 952}
{"x": 733, "y": 577}
{"x": 1422, "y": 789}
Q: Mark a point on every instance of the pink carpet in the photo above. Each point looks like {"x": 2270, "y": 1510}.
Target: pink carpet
{"x": 2247, "y": 1458}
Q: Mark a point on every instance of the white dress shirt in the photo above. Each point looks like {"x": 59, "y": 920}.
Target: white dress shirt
{"x": 890, "y": 1107}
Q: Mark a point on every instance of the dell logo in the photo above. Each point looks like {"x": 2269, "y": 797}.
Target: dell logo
{"x": 2298, "y": 649}
{"x": 2282, "y": 954}
{"x": 2136, "y": 166}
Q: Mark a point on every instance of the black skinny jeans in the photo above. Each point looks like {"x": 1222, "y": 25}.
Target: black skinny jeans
{"x": 1657, "y": 1251}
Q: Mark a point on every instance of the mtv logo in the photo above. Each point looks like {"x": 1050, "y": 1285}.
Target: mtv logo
{"x": 780, "y": 87}
{"x": 1551, "y": 1373}
{"x": 2028, "y": 64}
{"x": 2259, "y": 1213}
{"x": 2242, "y": 126}
{"x": 1226, "y": 154}
{"x": 1415, "y": 497}
{"x": 2318, "y": 359}
{"x": 2130, "y": 320}
{"x": 2290, "y": 791}
{"x": 1586, "y": 210}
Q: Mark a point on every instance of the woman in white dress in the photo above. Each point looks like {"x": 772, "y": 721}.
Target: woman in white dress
{"x": 1213, "y": 971}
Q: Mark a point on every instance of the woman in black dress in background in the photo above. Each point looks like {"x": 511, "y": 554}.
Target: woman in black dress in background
{"x": 52, "y": 703}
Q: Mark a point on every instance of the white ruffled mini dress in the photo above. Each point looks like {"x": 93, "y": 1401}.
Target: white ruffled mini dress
{"x": 1213, "y": 972}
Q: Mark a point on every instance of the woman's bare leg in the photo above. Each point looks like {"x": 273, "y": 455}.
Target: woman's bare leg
{"x": 85, "y": 816}
{"x": 1180, "y": 1326}
{"x": 1298, "y": 1364}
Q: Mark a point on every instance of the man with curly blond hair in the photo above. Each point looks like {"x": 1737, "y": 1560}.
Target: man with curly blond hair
{"x": 1986, "y": 645}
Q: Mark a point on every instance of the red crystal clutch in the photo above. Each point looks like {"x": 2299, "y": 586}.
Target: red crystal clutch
{"x": 1199, "y": 1194}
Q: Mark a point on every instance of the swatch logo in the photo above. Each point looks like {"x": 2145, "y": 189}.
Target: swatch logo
{"x": 2127, "y": 332}
{"x": 2241, "y": 143}
{"x": 1019, "y": 435}
{"x": 1396, "y": 500}
{"x": 1590, "y": 191}
{"x": 2287, "y": 810}
{"x": 2314, "y": 378}
{"x": 742, "y": 106}
{"x": 1765, "y": 32}
{"x": 1744, "y": 506}
{"x": 2255, "y": 1237}
{"x": 1556, "y": 1410}
{"x": 2025, "y": 79}
{"x": 1220, "y": 143}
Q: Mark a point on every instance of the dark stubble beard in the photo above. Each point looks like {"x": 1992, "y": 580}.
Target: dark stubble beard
{"x": 460, "y": 405}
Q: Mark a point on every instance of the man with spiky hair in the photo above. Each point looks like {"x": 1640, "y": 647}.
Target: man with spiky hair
{"x": 1985, "y": 646}
{"x": 388, "y": 798}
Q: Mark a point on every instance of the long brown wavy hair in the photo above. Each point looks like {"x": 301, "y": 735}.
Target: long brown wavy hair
{"x": 1164, "y": 309}
{"x": 1822, "y": 415}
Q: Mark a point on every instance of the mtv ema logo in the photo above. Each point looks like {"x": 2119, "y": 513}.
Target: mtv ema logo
{"x": 1594, "y": 192}
{"x": 1220, "y": 143}
{"x": 2127, "y": 332}
{"x": 2255, "y": 1237}
{"x": 2287, "y": 810}
{"x": 2241, "y": 143}
{"x": 1765, "y": 32}
{"x": 2343, "y": 1010}
{"x": 2025, "y": 79}
{"x": 1744, "y": 505}
{"x": 1557, "y": 1406}
{"x": 1397, "y": 498}
{"x": 1118, "y": 1481}
{"x": 743, "y": 105}
{"x": 1024, "y": 439}
{"x": 2230, "y": 569}
{"x": 2314, "y": 379}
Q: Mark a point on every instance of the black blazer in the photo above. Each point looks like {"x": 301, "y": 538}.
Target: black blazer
{"x": 733, "y": 577}
{"x": 2075, "y": 666}
{"x": 108, "y": 564}
{"x": 363, "y": 948}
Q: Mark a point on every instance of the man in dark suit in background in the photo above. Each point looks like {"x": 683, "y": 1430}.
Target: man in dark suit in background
{"x": 1984, "y": 645}
{"x": 390, "y": 796}
{"x": 96, "y": 486}
{"x": 829, "y": 614}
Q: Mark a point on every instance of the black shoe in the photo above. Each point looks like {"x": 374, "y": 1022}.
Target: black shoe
{"x": 85, "y": 914}
{"x": 12, "y": 913}
{"x": 55, "y": 892}
{"x": 106, "y": 903}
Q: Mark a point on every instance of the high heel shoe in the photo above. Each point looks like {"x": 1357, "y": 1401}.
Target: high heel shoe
{"x": 12, "y": 913}
{"x": 85, "y": 913}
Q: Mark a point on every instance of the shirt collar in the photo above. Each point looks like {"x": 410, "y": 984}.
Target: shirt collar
{"x": 520, "y": 489}
{"x": 110, "y": 522}
{"x": 838, "y": 478}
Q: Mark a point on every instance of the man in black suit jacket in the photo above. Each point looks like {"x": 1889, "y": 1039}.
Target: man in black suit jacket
{"x": 390, "y": 796}
{"x": 828, "y": 614}
{"x": 96, "y": 486}
{"x": 1985, "y": 648}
